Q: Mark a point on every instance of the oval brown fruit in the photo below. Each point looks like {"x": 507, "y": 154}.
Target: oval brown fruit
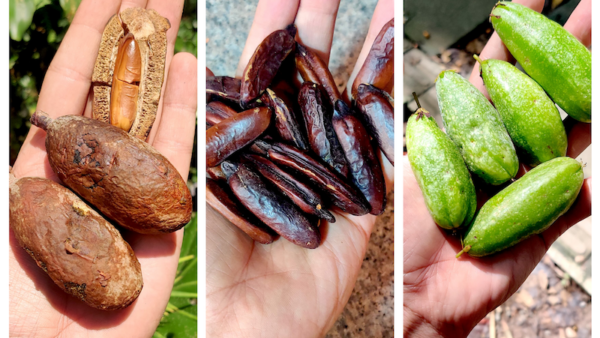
{"x": 78, "y": 249}
{"x": 126, "y": 179}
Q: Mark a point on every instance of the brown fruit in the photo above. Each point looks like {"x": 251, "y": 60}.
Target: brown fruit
{"x": 123, "y": 177}
{"x": 129, "y": 70}
{"x": 78, "y": 249}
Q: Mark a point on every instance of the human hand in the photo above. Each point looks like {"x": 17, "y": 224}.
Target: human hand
{"x": 445, "y": 296}
{"x": 37, "y": 306}
{"x": 281, "y": 289}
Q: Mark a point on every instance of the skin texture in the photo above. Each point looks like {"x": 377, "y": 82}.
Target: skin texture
{"x": 82, "y": 252}
{"x": 469, "y": 287}
{"x": 364, "y": 167}
{"x": 530, "y": 117}
{"x": 526, "y": 207}
{"x": 122, "y": 176}
{"x": 551, "y": 55}
{"x": 476, "y": 128}
{"x": 234, "y": 133}
{"x": 441, "y": 172}
{"x": 36, "y": 309}
{"x": 307, "y": 289}
{"x": 273, "y": 208}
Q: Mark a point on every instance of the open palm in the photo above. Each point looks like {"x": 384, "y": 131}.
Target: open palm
{"x": 445, "y": 296}
{"x": 280, "y": 289}
{"x": 37, "y": 306}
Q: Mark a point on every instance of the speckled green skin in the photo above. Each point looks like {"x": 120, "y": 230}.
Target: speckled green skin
{"x": 531, "y": 118}
{"x": 526, "y": 207}
{"x": 550, "y": 55}
{"x": 441, "y": 173}
{"x": 476, "y": 128}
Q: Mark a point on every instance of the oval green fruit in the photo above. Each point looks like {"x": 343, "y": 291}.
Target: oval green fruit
{"x": 549, "y": 54}
{"x": 531, "y": 118}
{"x": 441, "y": 172}
{"x": 526, "y": 207}
{"x": 476, "y": 128}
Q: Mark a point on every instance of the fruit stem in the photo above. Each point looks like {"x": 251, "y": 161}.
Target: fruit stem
{"x": 40, "y": 120}
{"x": 465, "y": 249}
{"x": 417, "y": 100}
{"x": 478, "y": 59}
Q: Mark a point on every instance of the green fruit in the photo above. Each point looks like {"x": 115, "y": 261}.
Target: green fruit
{"x": 526, "y": 207}
{"x": 549, "y": 54}
{"x": 475, "y": 126}
{"x": 531, "y": 118}
{"x": 441, "y": 172}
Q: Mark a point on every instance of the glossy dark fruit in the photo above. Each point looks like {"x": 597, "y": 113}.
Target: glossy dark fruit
{"x": 220, "y": 198}
{"x": 274, "y": 209}
{"x": 218, "y": 111}
{"x": 224, "y": 88}
{"x": 313, "y": 69}
{"x": 363, "y": 164}
{"x": 234, "y": 133}
{"x": 377, "y": 110}
{"x": 286, "y": 125}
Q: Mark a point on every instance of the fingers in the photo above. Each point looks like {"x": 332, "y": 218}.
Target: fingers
{"x": 270, "y": 16}
{"x": 175, "y": 134}
{"x": 132, "y": 3}
{"x": 384, "y": 12}
{"x": 316, "y": 21}
{"x": 580, "y": 22}
{"x": 495, "y": 49}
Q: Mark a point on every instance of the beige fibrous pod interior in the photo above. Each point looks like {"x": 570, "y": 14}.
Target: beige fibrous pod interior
{"x": 129, "y": 71}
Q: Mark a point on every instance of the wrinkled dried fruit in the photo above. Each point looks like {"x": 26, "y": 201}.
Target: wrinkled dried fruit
{"x": 234, "y": 133}
{"x": 78, "y": 249}
{"x": 273, "y": 208}
{"x": 224, "y": 88}
{"x": 217, "y": 111}
{"x": 377, "y": 110}
{"x": 265, "y": 63}
{"x": 302, "y": 195}
{"x": 221, "y": 199}
{"x": 321, "y": 136}
{"x": 342, "y": 195}
{"x": 313, "y": 69}
{"x": 216, "y": 173}
{"x": 129, "y": 70}
{"x": 285, "y": 121}
{"x": 378, "y": 69}
{"x": 123, "y": 177}
{"x": 365, "y": 168}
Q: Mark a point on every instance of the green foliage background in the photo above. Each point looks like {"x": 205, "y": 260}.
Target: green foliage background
{"x": 37, "y": 28}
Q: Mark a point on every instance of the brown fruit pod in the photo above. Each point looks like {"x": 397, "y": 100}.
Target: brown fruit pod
{"x": 378, "y": 68}
{"x": 313, "y": 69}
{"x": 302, "y": 195}
{"x": 222, "y": 200}
{"x": 234, "y": 133}
{"x": 126, "y": 179}
{"x": 286, "y": 125}
{"x": 321, "y": 136}
{"x": 216, "y": 173}
{"x": 129, "y": 70}
{"x": 273, "y": 208}
{"x": 342, "y": 195}
{"x": 265, "y": 63}
{"x": 79, "y": 250}
{"x": 364, "y": 165}
{"x": 377, "y": 109}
